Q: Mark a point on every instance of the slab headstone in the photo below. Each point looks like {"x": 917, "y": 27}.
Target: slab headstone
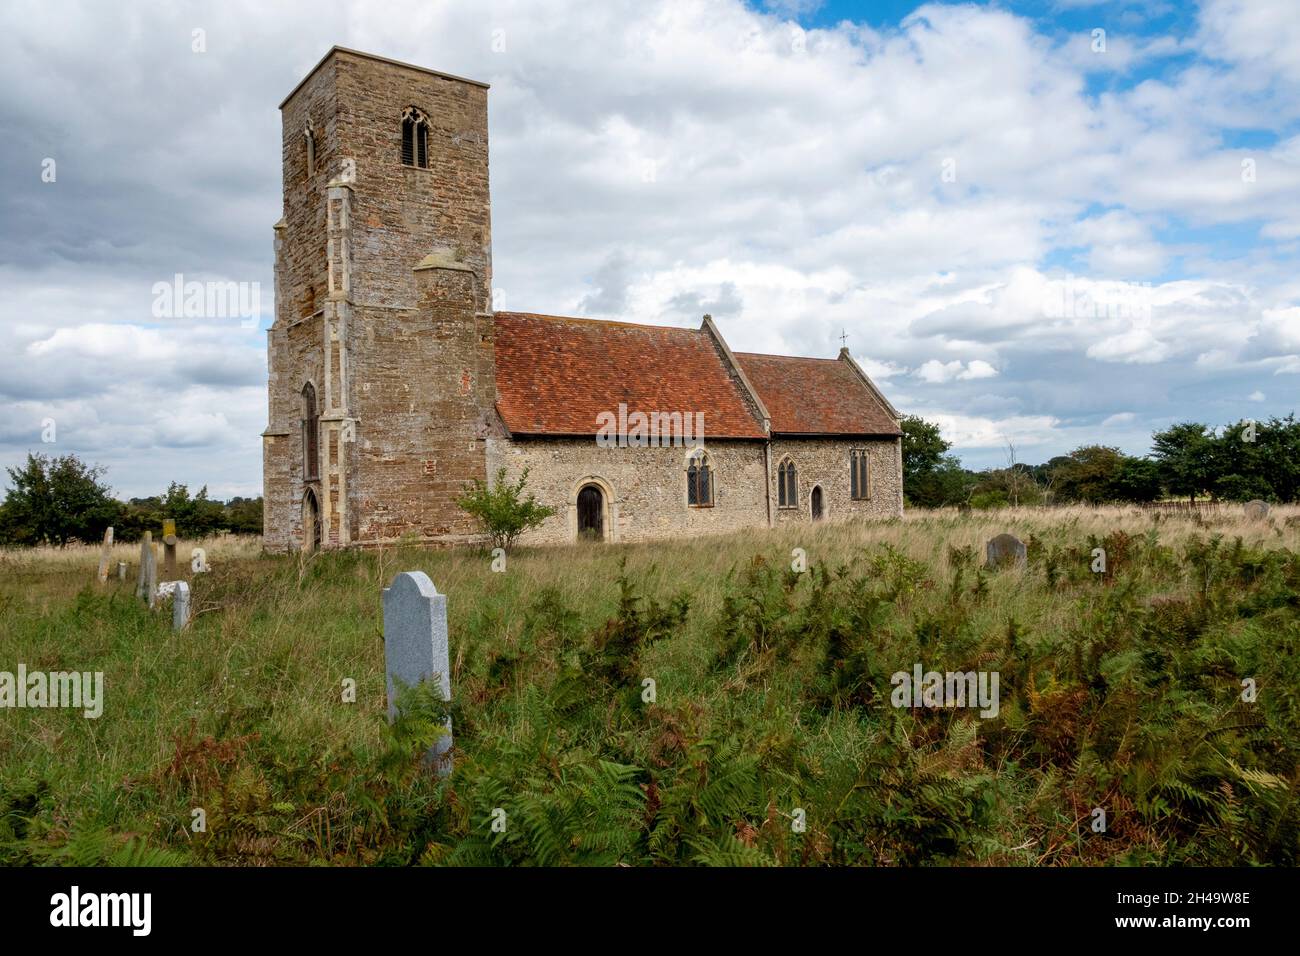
{"x": 180, "y": 606}
{"x": 121, "y": 570}
{"x": 1006, "y": 550}
{"x": 198, "y": 561}
{"x": 151, "y": 577}
{"x": 142, "y": 576}
{"x": 169, "y": 548}
{"x": 416, "y": 648}
{"x": 104, "y": 555}
{"x": 1257, "y": 510}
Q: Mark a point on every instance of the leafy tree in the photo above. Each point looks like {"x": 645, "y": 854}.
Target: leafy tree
{"x": 244, "y": 515}
{"x": 56, "y": 500}
{"x": 1089, "y": 474}
{"x": 931, "y": 477}
{"x": 502, "y": 510}
{"x": 1138, "y": 480}
{"x": 923, "y": 447}
{"x": 197, "y": 516}
{"x": 1185, "y": 454}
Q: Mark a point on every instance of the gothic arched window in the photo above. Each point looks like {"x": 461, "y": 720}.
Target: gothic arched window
{"x": 310, "y": 434}
{"x": 699, "y": 481}
{"x": 859, "y": 475}
{"x": 415, "y": 138}
{"x": 787, "y": 484}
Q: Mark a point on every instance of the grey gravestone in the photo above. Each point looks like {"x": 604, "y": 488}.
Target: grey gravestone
{"x": 121, "y": 570}
{"x": 415, "y": 646}
{"x": 180, "y": 606}
{"x": 1006, "y": 550}
{"x": 142, "y": 577}
{"x": 151, "y": 578}
{"x": 1257, "y": 510}
{"x": 104, "y": 555}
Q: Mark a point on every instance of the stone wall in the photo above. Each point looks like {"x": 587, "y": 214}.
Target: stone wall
{"x": 645, "y": 488}
{"x": 824, "y": 463}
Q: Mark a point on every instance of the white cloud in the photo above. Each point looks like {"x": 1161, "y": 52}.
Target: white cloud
{"x": 797, "y": 191}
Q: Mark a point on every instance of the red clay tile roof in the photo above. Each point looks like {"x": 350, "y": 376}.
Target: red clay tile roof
{"x": 555, "y": 375}
{"x": 812, "y": 396}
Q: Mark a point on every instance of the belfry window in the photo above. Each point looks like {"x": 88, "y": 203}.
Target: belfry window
{"x": 415, "y": 138}
{"x": 699, "y": 481}
{"x": 309, "y": 136}
{"x": 310, "y": 434}
{"x": 787, "y": 484}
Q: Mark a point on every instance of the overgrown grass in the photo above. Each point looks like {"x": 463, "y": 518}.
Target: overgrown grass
{"x": 1120, "y": 691}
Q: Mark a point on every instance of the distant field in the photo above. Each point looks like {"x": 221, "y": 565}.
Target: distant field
{"x": 1119, "y": 691}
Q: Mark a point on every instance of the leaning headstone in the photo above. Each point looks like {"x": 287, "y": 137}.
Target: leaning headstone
{"x": 104, "y": 555}
{"x": 142, "y": 576}
{"x": 169, "y": 548}
{"x": 1006, "y": 550}
{"x": 180, "y": 606}
{"x": 415, "y": 647}
{"x": 1257, "y": 510}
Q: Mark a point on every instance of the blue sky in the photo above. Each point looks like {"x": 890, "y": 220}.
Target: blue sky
{"x": 956, "y": 185}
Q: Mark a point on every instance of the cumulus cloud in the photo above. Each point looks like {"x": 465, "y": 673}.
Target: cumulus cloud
{"x": 933, "y": 188}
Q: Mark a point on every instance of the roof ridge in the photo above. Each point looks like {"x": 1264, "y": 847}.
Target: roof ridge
{"x": 777, "y": 355}
{"x": 548, "y": 317}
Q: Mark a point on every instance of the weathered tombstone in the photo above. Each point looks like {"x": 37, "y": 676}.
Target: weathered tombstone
{"x": 104, "y": 555}
{"x": 1257, "y": 510}
{"x": 198, "y": 561}
{"x": 180, "y": 606}
{"x": 121, "y": 570}
{"x": 169, "y": 548}
{"x": 142, "y": 576}
{"x": 1006, "y": 550}
{"x": 415, "y": 647}
{"x": 151, "y": 578}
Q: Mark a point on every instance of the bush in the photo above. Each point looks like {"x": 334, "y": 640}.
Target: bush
{"x": 502, "y": 510}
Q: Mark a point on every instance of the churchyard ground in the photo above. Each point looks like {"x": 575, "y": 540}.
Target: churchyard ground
{"x": 700, "y": 701}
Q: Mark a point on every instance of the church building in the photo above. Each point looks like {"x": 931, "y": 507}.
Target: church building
{"x": 393, "y": 383}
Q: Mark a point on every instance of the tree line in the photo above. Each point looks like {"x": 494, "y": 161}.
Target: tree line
{"x": 61, "y": 500}
{"x": 1189, "y": 460}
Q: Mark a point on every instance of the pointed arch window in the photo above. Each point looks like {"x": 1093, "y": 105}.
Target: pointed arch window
{"x": 859, "y": 475}
{"x": 699, "y": 481}
{"x": 787, "y": 483}
{"x": 415, "y": 138}
{"x": 310, "y": 434}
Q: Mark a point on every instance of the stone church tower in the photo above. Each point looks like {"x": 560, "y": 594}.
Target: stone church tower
{"x": 381, "y": 384}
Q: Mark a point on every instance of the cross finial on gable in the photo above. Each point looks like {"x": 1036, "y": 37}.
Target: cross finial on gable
{"x": 844, "y": 337}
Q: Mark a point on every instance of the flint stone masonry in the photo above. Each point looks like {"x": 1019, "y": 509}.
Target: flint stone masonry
{"x": 1006, "y": 550}
{"x": 416, "y": 647}
{"x": 383, "y": 278}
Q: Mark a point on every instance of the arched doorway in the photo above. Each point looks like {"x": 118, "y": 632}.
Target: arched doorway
{"x": 591, "y": 513}
{"x": 817, "y": 503}
{"x": 310, "y": 522}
